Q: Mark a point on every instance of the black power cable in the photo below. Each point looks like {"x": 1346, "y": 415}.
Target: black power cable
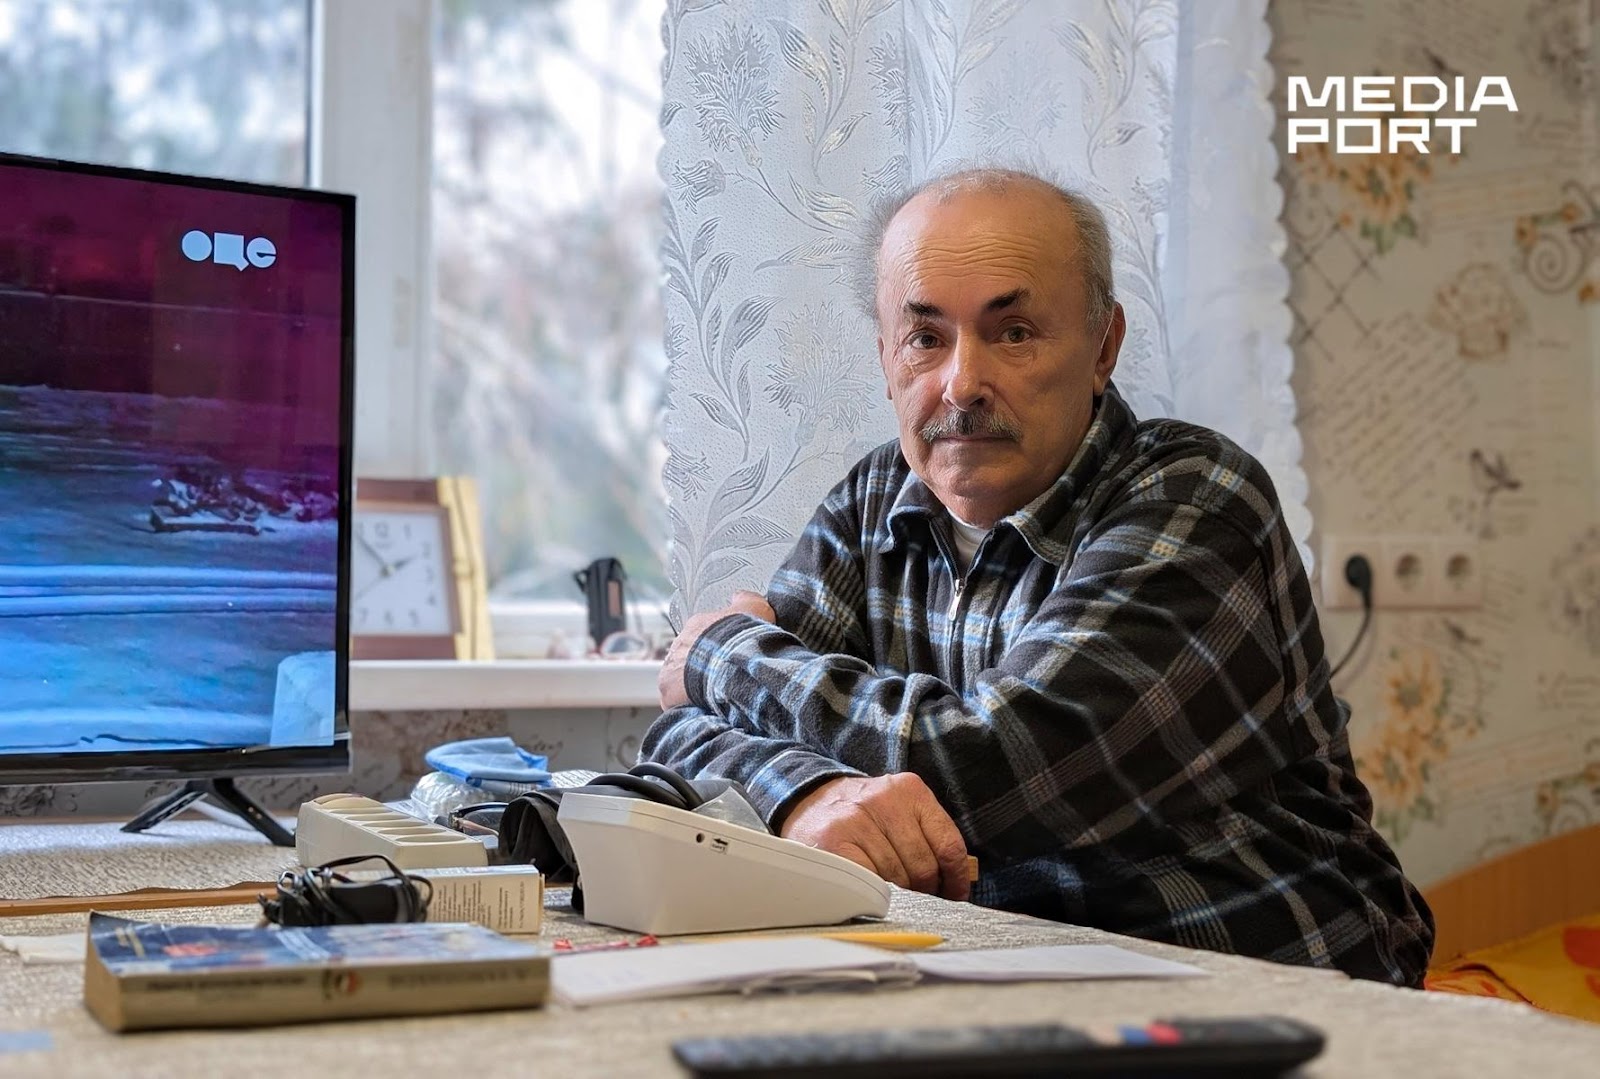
{"x": 1358, "y": 571}
{"x": 322, "y": 896}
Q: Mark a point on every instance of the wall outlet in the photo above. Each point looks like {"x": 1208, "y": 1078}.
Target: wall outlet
{"x": 1404, "y": 576}
{"x": 1459, "y": 580}
{"x": 1338, "y": 593}
{"x": 1409, "y": 572}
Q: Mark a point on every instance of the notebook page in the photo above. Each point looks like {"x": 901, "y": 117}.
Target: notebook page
{"x": 1058, "y": 962}
{"x": 722, "y": 966}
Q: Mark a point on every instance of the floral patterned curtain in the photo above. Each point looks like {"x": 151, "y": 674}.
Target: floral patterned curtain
{"x": 783, "y": 121}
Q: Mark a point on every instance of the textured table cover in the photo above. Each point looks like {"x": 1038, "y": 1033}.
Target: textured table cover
{"x": 40, "y": 860}
{"x": 1372, "y": 1030}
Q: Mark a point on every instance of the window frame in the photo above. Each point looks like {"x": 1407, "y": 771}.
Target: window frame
{"x": 371, "y": 134}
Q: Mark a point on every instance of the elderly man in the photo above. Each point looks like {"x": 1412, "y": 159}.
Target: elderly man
{"x": 1079, "y": 646}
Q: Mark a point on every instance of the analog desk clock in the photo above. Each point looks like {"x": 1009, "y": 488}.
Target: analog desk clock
{"x": 417, "y": 581}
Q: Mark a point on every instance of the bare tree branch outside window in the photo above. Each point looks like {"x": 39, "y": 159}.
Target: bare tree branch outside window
{"x": 206, "y": 87}
{"x": 550, "y": 369}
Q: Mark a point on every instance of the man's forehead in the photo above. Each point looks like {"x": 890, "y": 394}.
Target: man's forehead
{"x": 980, "y": 242}
{"x": 1027, "y": 208}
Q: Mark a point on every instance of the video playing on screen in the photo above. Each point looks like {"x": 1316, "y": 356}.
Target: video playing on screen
{"x": 170, "y": 426}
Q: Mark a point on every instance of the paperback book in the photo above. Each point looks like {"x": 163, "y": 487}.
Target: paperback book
{"x": 143, "y": 975}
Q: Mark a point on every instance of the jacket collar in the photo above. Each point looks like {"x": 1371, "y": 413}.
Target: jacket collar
{"x": 1038, "y": 521}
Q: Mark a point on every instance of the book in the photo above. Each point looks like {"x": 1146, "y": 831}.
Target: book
{"x": 144, "y": 976}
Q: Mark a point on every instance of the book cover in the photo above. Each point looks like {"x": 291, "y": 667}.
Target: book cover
{"x": 143, "y": 975}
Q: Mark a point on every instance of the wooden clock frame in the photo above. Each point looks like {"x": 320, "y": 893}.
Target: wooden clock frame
{"x": 456, "y": 499}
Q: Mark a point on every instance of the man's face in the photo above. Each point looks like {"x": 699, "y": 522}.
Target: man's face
{"x": 985, "y": 344}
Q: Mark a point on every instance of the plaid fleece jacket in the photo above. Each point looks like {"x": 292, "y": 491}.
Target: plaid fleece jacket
{"x": 1123, "y": 703}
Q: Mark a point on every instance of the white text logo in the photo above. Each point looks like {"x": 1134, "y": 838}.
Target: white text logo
{"x": 1426, "y": 94}
{"x": 229, "y": 249}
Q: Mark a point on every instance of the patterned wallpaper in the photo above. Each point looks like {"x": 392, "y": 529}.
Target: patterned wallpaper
{"x": 1447, "y": 344}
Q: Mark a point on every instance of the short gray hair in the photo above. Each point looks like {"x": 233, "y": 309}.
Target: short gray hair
{"x": 1094, "y": 238}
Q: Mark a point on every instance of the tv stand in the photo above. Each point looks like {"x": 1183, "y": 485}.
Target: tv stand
{"x": 222, "y": 791}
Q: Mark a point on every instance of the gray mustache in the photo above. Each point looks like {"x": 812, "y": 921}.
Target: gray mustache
{"x": 967, "y": 424}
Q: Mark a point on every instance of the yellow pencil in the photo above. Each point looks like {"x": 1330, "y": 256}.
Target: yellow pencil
{"x": 893, "y": 941}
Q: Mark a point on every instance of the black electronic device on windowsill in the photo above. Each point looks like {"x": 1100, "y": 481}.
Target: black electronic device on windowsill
{"x": 602, "y": 585}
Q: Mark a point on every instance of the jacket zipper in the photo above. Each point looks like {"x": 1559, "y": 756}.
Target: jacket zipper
{"x": 958, "y": 674}
{"x": 953, "y": 612}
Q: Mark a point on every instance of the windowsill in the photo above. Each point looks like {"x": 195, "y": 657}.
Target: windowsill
{"x": 444, "y": 684}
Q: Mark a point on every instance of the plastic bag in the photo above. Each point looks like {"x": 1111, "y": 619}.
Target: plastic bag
{"x": 478, "y": 770}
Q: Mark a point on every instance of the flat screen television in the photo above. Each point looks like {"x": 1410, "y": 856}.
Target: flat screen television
{"x": 176, "y": 368}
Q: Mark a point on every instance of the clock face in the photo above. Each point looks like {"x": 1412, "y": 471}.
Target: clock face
{"x": 399, "y": 573}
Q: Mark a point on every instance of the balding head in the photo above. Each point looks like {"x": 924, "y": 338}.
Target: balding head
{"x": 1088, "y": 252}
{"x": 996, "y": 332}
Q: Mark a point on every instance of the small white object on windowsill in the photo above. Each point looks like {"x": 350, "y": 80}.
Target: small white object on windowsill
{"x": 559, "y": 648}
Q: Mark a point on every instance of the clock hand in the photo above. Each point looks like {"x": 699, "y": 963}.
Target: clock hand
{"x": 382, "y": 562}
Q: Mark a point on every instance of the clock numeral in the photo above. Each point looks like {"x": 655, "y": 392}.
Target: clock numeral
{"x": 388, "y": 618}
{"x": 382, "y": 529}
{"x": 361, "y": 615}
{"x": 433, "y": 600}
{"x": 406, "y": 530}
{"x": 416, "y": 620}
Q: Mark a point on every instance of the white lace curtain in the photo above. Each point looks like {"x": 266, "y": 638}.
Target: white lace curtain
{"x": 783, "y": 121}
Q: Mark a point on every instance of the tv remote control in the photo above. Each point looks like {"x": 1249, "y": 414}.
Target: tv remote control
{"x": 1238, "y": 1048}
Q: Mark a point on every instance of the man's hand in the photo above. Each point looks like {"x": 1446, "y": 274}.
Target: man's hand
{"x": 670, "y": 683}
{"x": 891, "y": 824}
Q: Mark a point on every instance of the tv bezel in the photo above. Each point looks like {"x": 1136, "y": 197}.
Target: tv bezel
{"x": 238, "y": 761}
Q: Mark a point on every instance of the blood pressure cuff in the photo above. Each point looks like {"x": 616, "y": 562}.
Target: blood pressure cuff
{"x": 530, "y": 831}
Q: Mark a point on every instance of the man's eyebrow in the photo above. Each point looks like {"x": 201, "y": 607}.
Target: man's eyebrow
{"x": 1000, "y": 303}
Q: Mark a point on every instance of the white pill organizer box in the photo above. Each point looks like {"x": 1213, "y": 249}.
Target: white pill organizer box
{"x": 346, "y": 825}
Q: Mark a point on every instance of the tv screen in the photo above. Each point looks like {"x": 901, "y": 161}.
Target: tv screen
{"x": 175, "y": 422}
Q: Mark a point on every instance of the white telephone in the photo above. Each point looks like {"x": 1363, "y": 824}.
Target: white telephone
{"x": 653, "y": 868}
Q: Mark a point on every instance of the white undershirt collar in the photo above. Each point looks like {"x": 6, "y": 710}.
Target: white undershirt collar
{"x": 967, "y": 538}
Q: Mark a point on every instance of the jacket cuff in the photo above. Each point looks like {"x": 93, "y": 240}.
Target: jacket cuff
{"x": 702, "y": 673}
{"x": 789, "y": 777}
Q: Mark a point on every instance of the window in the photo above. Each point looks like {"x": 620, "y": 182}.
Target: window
{"x": 534, "y": 362}
{"x": 549, "y": 373}
{"x": 211, "y": 87}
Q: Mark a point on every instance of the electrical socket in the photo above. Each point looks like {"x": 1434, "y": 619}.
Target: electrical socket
{"x": 1458, "y": 582}
{"x": 1404, "y": 577}
{"x": 1409, "y": 572}
{"x": 1338, "y": 593}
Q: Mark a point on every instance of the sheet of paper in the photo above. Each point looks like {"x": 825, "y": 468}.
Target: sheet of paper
{"x": 61, "y": 948}
{"x": 1058, "y": 962}
{"x": 723, "y": 966}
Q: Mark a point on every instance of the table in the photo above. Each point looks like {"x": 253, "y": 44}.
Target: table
{"x": 1373, "y": 1030}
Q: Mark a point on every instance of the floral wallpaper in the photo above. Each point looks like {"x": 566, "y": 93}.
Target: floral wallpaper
{"x": 785, "y": 121}
{"x": 1397, "y": 752}
{"x": 1447, "y": 369}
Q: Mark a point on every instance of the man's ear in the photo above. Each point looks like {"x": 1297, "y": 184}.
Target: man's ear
{"x": 1110, "y": 346}
{"x": 883, "y": 365}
